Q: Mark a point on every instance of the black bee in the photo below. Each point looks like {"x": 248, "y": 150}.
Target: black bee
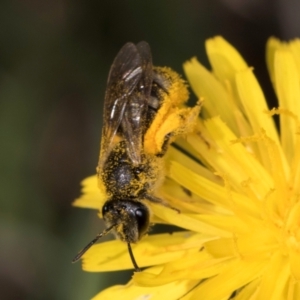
{"x": 139, "y": 99}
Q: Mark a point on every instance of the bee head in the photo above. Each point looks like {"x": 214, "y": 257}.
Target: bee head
{"x": 130, "y": 218}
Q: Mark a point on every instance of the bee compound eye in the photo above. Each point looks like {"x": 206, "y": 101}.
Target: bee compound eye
{"x": 142, "y": 218}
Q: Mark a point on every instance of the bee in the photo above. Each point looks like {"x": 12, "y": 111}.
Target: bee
{"x": 143, "y": 114}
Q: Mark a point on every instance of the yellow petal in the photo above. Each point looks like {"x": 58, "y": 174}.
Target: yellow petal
{"x": 249, "y": 291}
{"x": 278, "y": 198}
{"x": 216, "y": 98}
{"x": 237, "y": 274}
{"x": 224, "y": 58}
{"x": 294, "y": 47}
{"x": 210, "y": 191}
{"x": 257, "y": 244}
{"x": 224, "y": 222}
{"x": 226, "y": 62}
{"x": 221, "y": 247}
{"x": 293, "y": 289}
{"x": 231, "y": 159}
{"x": 174, "y": 154}
{"x": 292, "y": 228}
{"x": 183, "y": 199}
{"x": 197, "y": 265}
{"x": 273, "y": 44}
{"x": 288, "y": 91}
{"x": 183, "y": 220}
{"x": 295, "y": 169}
{"x": 274, "y": 281}
{"x": 130, "y": 291}
{"x": 295, "y": 263}
{"x": 91, "y": 196}
{"x": 255, "y": 107}
{"x": 151, "y": 250}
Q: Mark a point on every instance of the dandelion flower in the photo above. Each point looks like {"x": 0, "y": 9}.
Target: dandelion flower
{"x": 237, "y": 184}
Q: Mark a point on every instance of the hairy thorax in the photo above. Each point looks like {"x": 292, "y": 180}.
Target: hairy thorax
{"x": 124, "y": 180}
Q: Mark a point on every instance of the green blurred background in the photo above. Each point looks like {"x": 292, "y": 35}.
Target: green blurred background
{"x": 54, "y": 60}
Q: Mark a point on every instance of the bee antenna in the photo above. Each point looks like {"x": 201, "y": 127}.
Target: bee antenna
{"x": 89, "y": 245}
{"x": 136, "y": 267}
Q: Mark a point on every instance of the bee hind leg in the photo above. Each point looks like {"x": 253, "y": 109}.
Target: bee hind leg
{"x": 157, "y": 200}
{"x": 165, "y": 145}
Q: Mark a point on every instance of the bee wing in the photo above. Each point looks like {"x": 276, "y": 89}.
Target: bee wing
{"x": 120, "y": 103}
{"x": 136, "y": 109}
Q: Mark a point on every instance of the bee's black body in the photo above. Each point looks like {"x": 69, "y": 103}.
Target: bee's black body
{"x": 130, "y": 168}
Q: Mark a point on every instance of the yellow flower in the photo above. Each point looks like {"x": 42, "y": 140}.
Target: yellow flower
{"x": 240, "y": 206}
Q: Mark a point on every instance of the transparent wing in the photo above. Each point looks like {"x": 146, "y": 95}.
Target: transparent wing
{"x": 123, "y": 77}
{"x": 125, "y": 100}
{"x": 136, "y": 109}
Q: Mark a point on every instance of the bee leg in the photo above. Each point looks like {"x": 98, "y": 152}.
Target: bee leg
{"x": 154, "y": 199}
{"x": 165, "y": 145}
